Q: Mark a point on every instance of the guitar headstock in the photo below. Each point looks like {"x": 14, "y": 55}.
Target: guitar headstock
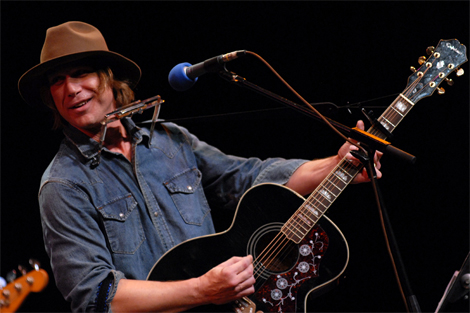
{"x": 443, "y": 60}
{"x": 13, "y": 294}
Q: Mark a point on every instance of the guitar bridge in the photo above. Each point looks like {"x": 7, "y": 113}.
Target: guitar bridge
{"x": 245, "y": 305}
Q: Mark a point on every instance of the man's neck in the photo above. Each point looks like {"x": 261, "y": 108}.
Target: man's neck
{"x": 117, "y": 138}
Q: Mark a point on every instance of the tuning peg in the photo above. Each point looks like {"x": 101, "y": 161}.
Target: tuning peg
{"x": 413, "y": 69}
{"x": 441, "y": 90}
{"x": 11, "y": 276}
{"x": 22, "y": 269}
{"x": 430, "y": 50}
{"x": 459, "y": 72}
{"x": 35, "y": 264}
{"x": 421, "y": 60}
{"x": 449, "y": 81}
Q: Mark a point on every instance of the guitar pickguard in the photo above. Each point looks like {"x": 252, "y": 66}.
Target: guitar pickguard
{"x": 279, "y": 291}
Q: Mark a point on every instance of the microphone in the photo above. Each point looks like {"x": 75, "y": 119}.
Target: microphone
{"x": 184, "y": 75}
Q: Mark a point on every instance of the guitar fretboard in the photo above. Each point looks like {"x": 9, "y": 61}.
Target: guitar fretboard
{"x": 393, "y": 115}
{"x": 300, "y": 224}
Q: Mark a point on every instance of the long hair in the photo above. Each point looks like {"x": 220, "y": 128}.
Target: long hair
{"x": 123, "y": 94}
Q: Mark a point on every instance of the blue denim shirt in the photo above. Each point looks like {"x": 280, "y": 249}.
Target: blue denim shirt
{"x": 119, "y": 217}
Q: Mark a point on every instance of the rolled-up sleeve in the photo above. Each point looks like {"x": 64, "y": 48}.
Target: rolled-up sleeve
{"x": 75, "y": 244}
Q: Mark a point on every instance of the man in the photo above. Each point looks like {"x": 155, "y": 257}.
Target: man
{"x": 106, "y": 224}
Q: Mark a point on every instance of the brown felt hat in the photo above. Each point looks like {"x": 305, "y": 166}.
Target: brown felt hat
{"x": 71, "y": 42}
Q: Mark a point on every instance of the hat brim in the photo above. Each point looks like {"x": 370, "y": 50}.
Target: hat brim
{"x": 30, "y": 83}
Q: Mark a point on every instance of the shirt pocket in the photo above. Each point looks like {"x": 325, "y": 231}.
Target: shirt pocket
{"x": 122, "y": 224}
{"x": 188, "y": 196}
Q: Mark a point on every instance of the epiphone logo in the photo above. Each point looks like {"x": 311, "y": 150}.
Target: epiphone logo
{"x": 451, "y": 47}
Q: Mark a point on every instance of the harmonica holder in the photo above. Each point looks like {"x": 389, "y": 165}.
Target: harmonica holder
{"x": 128, "y": 111}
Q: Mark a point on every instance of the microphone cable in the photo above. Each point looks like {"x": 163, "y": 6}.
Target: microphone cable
{"x": 382, "y": 214}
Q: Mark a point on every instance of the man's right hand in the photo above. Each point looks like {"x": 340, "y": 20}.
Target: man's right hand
{"x": 230, "y": 280}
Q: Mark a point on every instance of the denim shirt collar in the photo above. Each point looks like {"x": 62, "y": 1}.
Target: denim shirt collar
{"x": 89, "y": 147}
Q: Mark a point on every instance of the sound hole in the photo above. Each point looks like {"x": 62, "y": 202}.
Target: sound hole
{"x": 275, "y": 252}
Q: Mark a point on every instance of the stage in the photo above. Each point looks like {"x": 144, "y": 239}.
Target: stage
{"x": 353, "y": 54}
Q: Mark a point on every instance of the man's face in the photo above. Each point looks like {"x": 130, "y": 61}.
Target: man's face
{"x": 75, "y": 91}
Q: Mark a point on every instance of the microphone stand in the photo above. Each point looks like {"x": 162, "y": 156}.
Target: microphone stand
{"x": 371, "y": 144}
{"x": 410, "y": 299}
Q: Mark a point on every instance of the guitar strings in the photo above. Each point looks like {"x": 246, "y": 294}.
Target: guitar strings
{"x": 293, "y": 223}
{"x": 269, "y": 256}
{"x": 331, "y": 180}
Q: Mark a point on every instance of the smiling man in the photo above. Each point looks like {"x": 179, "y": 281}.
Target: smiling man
{"x": 76, "y": 95}
{"x": 82, "y": 100}
{"x": 106, "y": 225}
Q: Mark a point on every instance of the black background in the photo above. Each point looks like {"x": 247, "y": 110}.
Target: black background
{"x": 341, "y": 52}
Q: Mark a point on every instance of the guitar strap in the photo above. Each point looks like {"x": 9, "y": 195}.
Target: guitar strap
{"x": 103, "y": 292}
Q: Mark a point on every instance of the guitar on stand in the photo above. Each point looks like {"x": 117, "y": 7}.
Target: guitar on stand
{"x": 13, "y": 294}
{"x": 304, "y": 254}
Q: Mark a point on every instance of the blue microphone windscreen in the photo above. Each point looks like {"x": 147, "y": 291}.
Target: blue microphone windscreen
{"x": 178, "y": 79}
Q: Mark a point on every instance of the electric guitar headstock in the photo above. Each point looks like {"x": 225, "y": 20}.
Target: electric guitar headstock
{"x": 13, "y": 294}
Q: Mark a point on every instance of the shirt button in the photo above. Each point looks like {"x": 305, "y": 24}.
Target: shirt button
{"x": 121, "y": 215}
{"x": 155, "y": 213}
{"x": 190, "y": 188}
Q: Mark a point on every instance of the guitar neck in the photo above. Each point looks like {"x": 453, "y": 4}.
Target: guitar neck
{"x": 300, "y": 224}
{"x": 392, "y": 116}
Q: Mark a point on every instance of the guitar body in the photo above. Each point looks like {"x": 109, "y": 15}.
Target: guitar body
{"x": 310, "y": 267}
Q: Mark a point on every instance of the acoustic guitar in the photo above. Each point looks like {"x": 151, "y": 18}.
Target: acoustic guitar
{"x": 301, "y": 254}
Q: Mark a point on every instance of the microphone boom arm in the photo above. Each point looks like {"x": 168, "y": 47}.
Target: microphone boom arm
{"x": 373, "y": 142}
